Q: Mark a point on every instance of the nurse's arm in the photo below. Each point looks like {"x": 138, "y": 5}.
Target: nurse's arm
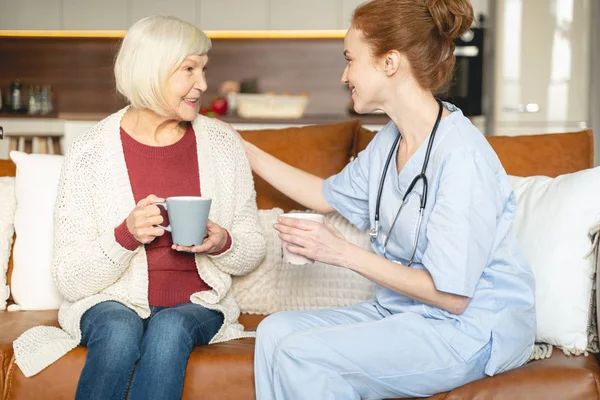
{"x": 410, "y": 282}
{"x": 298, "y": 185}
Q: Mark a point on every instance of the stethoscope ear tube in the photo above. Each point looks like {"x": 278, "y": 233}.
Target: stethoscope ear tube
{"x": 375, "y": 231}
{"x": 382, "y": 180}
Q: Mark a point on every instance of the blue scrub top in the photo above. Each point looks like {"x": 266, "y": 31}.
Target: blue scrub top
{"x": 466, "y": 241}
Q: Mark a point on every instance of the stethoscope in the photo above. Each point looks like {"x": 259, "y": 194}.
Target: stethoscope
{"x": 374, "y": 233}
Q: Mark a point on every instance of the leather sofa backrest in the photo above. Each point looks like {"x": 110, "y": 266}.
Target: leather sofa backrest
{"x": 528, "y": 155}
{"x": 324, "y": 150}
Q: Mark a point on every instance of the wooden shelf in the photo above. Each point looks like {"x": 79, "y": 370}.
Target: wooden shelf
{"x": 51, "y": 115}
{"x": 257, "y": 34}
{"x": 318, "y": 119}
{"x": 310, "y": 119}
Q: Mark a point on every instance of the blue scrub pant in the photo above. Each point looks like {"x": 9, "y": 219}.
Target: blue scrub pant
{"x": 357, "y": 353}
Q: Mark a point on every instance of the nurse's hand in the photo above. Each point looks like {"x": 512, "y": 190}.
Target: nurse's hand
{"x": 311, "y": 239}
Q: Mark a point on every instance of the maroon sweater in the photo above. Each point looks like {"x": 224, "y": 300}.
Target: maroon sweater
{"x": 164, "y": 171}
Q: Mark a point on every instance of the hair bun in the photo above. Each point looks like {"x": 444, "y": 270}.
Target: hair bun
{"x": 452, "y": 17}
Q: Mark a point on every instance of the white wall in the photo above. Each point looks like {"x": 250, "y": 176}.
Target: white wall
{"x": 542, "y": 58}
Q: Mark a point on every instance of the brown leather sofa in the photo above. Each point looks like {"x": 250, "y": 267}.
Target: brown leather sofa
{"x": 224, "y": 371}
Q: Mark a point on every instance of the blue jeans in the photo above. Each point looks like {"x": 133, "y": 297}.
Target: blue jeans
{"x": 116, "y": 338}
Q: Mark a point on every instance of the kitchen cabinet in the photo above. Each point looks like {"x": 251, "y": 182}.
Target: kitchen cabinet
{"x": 542, "y": 71}
{"x": 207, "y": 14}
{"x": 306, "y": 14}
{"x": 480, "y": 7}
{"x": 30, "y": 14}
{"x": 348, "y": 7}
{"x": 183, "y": 9}
{"x": 25, "y": 126}
{"x": 70, "y": 129}
{"x": 96, "y": 15}
{"x": 232, "y": 14}
{"x": 74, "y": 128}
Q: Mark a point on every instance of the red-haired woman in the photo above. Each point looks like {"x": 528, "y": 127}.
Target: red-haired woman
{"x": 454, "y": 295}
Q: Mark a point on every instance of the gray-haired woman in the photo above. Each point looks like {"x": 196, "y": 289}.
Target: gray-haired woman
{"x": 131, "y": 296}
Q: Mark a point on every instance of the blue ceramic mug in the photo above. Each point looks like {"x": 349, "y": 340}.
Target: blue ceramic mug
{"x": 188, "y": 216}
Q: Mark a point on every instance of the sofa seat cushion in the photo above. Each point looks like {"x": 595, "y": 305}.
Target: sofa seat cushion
{"x": 558, "y": 377}
{"x": 225, "y": 371}
{"x": 220, "y": 371}
{"x": 12, "y": 324}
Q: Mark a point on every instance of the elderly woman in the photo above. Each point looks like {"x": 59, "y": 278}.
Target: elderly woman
{"x": 131, "y": 296}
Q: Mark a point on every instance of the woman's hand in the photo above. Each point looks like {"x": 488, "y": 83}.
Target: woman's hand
{"x": 142, "y": 221}
{"x": 214, "y": 241}
{"x": 311, "y": 239}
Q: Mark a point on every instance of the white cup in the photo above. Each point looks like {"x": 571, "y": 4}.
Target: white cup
{"x": 297, "y": 259}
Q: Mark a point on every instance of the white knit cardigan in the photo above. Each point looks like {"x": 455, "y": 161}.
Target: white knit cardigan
{"x": 90, "y": 267}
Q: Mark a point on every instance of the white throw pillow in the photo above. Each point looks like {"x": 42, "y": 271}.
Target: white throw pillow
{"x": 318, "y": 285}
{"x": 7, "y": 213}
{"x": 255, "y": 292}
{"x": 277, "y": 286}
{"x": 553, "y": 221}
{"x": 36, "y": 186}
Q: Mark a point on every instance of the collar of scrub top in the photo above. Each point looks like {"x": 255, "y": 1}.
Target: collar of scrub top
{"x": 374, "y": 233}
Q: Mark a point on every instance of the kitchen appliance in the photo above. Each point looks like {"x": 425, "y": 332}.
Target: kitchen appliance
{"x": 466, "y": 86}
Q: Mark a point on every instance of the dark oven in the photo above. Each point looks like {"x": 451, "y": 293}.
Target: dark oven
{"x": 465, "y": 90}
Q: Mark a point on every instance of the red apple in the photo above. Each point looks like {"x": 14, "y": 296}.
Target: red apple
{"x": 219, "y": 105}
